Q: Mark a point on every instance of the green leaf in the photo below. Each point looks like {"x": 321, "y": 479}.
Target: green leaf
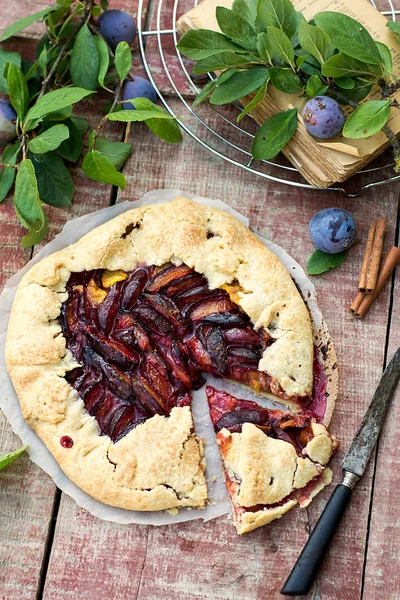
{"x": 236, "y": 28}
{"x": 367, "y": 119}
{"x": 280, "y": 45}
{"x": 5, "y": 57}
{"x": 239, "y": 85}
{"x": 17, "y": 89}
{"x": 225, "y": 75}
{"x": 319, "y": 262}
{"x": 285, "y": 80}
{"x": 315, "y": 41}
{"x": 395, "y": 27}
{"x": 53, "y": 18}
{"x": 27, "y": 204}
{"x": 36, "y": 232}
{"x": 98, "y": 167}
{"x": 7, "y": 175}
{"x": 54, "y": 101}
{"x": 42, "y": 62}
{"x": 301, "y": 59}
{"x": 32, "y": 77}
{"x": 32, "y": 70}
{"x": 341, "y": 65}
{"x": 53, "y": 178}
{"x": 223, "y": 60}
{"x": 6, "y": 459}
{"x": 123, "y": 60}
{"x": 242, "y": 8}
{"x": 71, "y": 147}
{"x": 362, "y": 88}
{"x": 386, "y": 56}
{"x": 104, "y": 5}
{"x": 59, "y": 115}
{"x": 263, "y": 47}
{"x": 67, "y": 28}
{"x": 295, "y": 39}
{"x": 81, "y": 124}
{"x": 167, "y": 130}
{"x": 274, "y": 134}
{"x": 145, "y": 109}
{"x": 277, "y": 13}
{"x": 260, "y": 95}
{"x": 49, "y": 140}
{"x": 309, "y": 69}
{"x": 315, "y": 87}
{"x": 349, "y": 36}
{"x": 205, "y": 92}
{"x": 345, "y": 83}
{"x": 84, "y": 60}
{"x": 116, "y": 152}
{"x": 21, "y": 24}
{"x": 65, "y": 3}
{"x": 202, "y": 43}
{"x": 104, "y": 59}
{"x": 139, "y": 116}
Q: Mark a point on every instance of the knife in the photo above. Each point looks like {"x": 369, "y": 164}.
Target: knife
{"x": 354, "y": 464}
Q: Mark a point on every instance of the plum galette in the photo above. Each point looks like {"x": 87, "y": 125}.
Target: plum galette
{"x": 108, "y": 337}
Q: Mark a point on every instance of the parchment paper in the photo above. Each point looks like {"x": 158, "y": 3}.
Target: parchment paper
{"x": 39, "y": 454}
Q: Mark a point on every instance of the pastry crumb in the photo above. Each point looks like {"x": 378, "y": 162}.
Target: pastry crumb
{"x": 173, "y": 511}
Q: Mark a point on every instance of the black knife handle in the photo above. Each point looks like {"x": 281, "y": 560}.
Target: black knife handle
{"x": 305, "y": 570}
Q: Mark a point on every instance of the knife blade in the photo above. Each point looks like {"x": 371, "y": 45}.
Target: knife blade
{"x": 354, "y": 464}
{"x": 360, "y": 451}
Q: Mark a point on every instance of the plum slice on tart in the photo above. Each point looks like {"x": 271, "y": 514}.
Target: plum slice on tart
{"x": 143, "y": 339}
{"x": 272, "y": 460}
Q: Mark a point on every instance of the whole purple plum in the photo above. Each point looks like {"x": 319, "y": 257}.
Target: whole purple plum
{"x": 8, "y": 118}
{"x": 323, "y": 117}
{"x": 139, "y": 87}
{"x": 117, "y": 26}
{"x": 332, "y": 230}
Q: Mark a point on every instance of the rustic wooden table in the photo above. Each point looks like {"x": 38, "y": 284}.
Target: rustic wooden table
{"x": 52, "y": 549}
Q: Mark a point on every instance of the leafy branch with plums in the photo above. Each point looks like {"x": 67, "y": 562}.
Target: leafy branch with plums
{"x": 331, "y": 60}
{"x": 85, "y": 48}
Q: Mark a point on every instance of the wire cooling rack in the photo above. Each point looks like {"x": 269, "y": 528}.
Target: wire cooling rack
{"x": 215, "y": 128}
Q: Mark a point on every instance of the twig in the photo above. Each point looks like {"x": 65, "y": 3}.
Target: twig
{"x": 105, "y": 118}
{"x": 127, "y": 131}
{"x": 389, "y": 89}
{"x": 340, "y": 96}
{"x": 65, "y": 47}
{"x": 24, "y": 146}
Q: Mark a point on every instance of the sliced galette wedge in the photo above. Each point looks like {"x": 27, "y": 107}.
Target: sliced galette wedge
{"x": 272, "y": 460}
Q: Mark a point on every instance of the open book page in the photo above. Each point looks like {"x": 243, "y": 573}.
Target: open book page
{"x": 346, "y": 155}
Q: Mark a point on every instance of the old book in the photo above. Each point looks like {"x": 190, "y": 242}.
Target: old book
{"x": 321, "y": 163}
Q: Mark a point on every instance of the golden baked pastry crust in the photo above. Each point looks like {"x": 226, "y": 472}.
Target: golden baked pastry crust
{"x": 261, "y": 470}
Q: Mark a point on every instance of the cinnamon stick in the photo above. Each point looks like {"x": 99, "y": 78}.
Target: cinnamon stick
{"x": 376, "y": 255}
{"x": 372, "y": 257}
{"x": 389, "y": 263}
{"x": 362, "y": 283}
{"x": 357, "y": 302}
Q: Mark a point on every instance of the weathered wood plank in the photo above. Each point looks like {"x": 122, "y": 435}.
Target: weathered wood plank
{"x": 382, "y": 578}
{"x": 27, "y": 494}
{"x": 93, "y": 559}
